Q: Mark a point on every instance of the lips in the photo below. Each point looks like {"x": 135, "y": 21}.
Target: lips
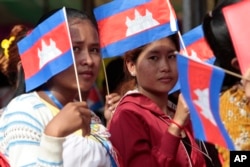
{"x": 86, "y": 74}
{"x": 166, "y": 79}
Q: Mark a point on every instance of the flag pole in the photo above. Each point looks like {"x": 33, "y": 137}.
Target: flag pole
{"x": 173, "y": 26}
{"x": 182, "y": 43}
{"x": 226, "y": 71}
{"x": 73, "y": 57}
{"x": 105, "y": 76}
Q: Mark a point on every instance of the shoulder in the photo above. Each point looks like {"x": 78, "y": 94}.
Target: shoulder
{"x": 135, "y": 106}
{"x": 24, "y": 101}
{"x": 25, "y": 107}
{"x": 136, "y": 102}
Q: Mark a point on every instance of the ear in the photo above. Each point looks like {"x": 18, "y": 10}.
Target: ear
{"x": 235, "y": 63}
{"x": 131, "y": 68}
{"x": 19, "y": 76}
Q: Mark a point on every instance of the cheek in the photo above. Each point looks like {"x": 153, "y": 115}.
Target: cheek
{"x": 174, "y": 70}
{"x": 145, "y": 72}
{"x": 97, "y": 62}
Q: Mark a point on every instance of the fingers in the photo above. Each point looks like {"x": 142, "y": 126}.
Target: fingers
{"x": 74, "y": 116}
{"x": 183, "y": 103}
{"x": 85, "y": 115}
{"x": 112, "y": 101}
{"x": 112, "y": 98}
{"x": 182, "y": 112}
{"x": 246, "y": 83}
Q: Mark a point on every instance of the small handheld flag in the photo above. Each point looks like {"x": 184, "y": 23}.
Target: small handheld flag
{"x": 237, "y": 19}
{"x": 125, "y": 25}
{"x": 197, "y": 48}
{"x": 196, "y": 45}
{"x": 94, "y": 100}
{"x": 200, "y": 86}
{"x": 43, "y": 52}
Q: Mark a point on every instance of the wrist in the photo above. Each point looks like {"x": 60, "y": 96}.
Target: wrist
{"x": 175, "y": 128}
{"x": 177, "y": 124}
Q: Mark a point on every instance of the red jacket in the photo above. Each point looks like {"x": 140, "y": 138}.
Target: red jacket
{"x": 3, "y": 161}
{"x": 141, "y": 137}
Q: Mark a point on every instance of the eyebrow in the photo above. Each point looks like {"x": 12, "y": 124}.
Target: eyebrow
{"x": 79, "y": 42}
{"x": 169, "y": 51}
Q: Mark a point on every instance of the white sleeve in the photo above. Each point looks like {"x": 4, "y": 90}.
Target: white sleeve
{"x": 21, "y": 135}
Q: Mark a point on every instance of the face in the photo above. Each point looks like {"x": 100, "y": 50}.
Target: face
{"x": 156, "y": 67}
{"x": 85, "y": 42}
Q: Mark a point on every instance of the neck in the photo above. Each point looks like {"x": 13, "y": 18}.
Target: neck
{"x": 52, "y": 95}
{"x": 161, "y": 100}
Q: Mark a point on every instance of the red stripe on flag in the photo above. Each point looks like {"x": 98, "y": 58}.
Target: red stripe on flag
{"x": 238, "y": 22}
{"x": 30, "y": 59}
{"x": 202, "y": 49}
{"x": 113, "y": 28}
{"x": 201, "y": 81}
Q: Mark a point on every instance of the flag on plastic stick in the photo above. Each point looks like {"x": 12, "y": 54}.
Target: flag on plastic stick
{"x": 238, "y": 23}
{"x": 125, "y": 25}
{"x": 197, "y": 48}
{"x": 43, "y": 52}
{"x": 200, "y": 85}
{"x": 95, "y": 100}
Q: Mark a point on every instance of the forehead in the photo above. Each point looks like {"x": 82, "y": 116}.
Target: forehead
{"x": 79, "y": 28}
{"x": 165, "y": 44}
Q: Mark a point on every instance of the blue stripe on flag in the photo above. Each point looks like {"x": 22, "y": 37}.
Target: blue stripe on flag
{"x": 183, "y": 68}
{"x": 115, "y": 7}
{"x": 42, "y": 29}
{"x": 137, "y": 40}
{"x": 177, "y": 85}
{"x": 217, "y": 77}
{"x": 61, "y": 62}
{"x": 193, "y": 35}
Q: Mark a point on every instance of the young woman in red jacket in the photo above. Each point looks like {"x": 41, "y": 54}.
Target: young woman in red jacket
{"x": 144, "y": 130}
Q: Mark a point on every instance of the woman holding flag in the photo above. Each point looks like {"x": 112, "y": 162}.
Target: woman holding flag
{"x": 234, "y": 105}
{"x": 46, "y": 126}
{"x": 144, "y": 130}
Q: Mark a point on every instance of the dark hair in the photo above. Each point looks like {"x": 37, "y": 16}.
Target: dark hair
{"x": 115, "y": 74}
{"x": 217, "y": 35}
{"x": 71, "y": 13}
{"x": 130, "y": 81}
{"x": 9, "y": 65}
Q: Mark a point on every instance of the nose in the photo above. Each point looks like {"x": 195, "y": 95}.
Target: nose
{"x": 86, "y": 59}
{"x": 165, "y": 66}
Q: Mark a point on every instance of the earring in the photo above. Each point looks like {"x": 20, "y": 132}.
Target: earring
{"x": 132, "y": 74}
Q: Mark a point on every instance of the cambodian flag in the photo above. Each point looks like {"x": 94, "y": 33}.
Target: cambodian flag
{"x": 200, "y": 86}
{"x": 197, "y": 48}
{"x": 125, "y": 25}
{"x": 95, "y": 100}
{"x": 238, "y": 23}
{"x": 196, "y": 45}
{"x": 46, "y": 51}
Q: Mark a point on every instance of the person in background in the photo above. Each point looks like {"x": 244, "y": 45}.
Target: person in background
{"x": 48, "y": 126}
{"x": 11, "y": 74}
{"x": 234, "y": 105}
{"x": 246, "y": 83}
{"x": 144, "y": 130}
{"x": 115, "y": 78}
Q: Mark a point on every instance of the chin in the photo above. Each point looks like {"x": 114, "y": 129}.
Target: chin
{"x": 86, "y": 87}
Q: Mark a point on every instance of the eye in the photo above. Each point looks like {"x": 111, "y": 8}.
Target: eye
{"x": 76, "y": 49}
{"x": 172, "y": 55}
{"x": 95, "y": 50}
{"x": 153, "y": 57}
